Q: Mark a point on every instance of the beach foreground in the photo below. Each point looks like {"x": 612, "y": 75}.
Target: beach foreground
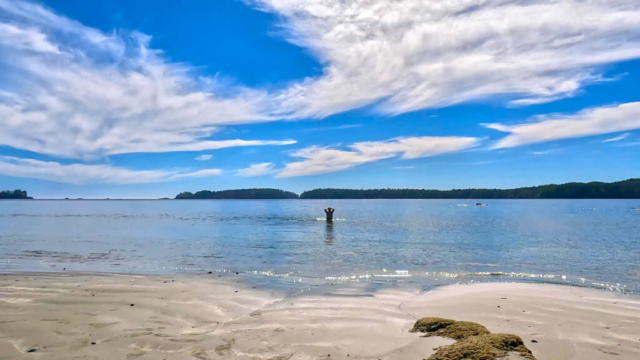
{"x": 95, "y": 316}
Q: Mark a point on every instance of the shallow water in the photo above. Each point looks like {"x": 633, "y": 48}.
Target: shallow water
{"x": 583, "y": 242}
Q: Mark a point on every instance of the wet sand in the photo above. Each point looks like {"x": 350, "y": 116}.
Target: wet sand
{"x": 92, "y": 316}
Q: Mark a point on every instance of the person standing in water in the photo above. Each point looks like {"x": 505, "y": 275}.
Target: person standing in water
{"x": 329, "y": 212}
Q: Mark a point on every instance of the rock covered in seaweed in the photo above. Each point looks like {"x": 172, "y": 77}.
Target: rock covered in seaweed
{"x": 475, "y": 342}
{"x": 457, "y": 330}
{"x": 483, "y": 347}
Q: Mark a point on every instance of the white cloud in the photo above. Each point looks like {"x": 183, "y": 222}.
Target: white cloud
{"x": 546, "y": 152}
{"x": 602, "y": 120}
{"x": 319, "y": 160}
{"x": 85, "y": 174}
{"x": 197, "y": 174}
{"x": 72, "y": 91}
{"x": 256, "y": 170}
{"x": 413, "y": 54}
{"x": 204, "y": 157}
{"x": 617, "y": 138}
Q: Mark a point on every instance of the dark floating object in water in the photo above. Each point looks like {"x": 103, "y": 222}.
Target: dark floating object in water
{"x": 481, "y": 204}
{"x": 329, "y": 211}
{"x": 475, "y": 341}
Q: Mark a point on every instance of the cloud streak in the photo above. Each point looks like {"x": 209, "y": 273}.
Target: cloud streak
{"x": 321, "y": 160}
{"x": 597, "y": 121}
{"x": 617, "y": 138}
{"x": 204, "y": 157}
{"x": 256, "y": 170}
{"x": 85, "y": 174}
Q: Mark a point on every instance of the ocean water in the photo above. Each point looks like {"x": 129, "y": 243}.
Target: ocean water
{"x": 581, "y": 242}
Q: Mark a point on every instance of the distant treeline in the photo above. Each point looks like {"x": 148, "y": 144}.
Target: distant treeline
{"x": 239, "y": 194}
{"x": 15, "y": 194}
{"x": 627, "y": 189}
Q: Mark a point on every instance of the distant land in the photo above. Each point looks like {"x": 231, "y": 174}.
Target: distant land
{"x": 238, "y": 194}
{"x": 627, "y": 189}
{"x": 15, "y": 194}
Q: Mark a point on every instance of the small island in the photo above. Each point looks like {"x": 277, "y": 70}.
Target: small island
{"x": 242, "y": 194}
{"x": 15, "y": 194}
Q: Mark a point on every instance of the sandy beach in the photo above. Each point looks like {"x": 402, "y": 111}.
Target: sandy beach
{"x": 98, "y": 316}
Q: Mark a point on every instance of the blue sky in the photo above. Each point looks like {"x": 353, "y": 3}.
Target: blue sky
{"x": 145, "y": 99}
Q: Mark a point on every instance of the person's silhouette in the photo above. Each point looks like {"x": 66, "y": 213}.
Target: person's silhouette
{"x": 329, "y": 212}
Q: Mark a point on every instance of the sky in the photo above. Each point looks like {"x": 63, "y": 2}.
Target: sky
{"x": 146, "y": 99}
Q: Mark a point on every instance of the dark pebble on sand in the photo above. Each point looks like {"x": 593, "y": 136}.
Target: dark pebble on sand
{"x": 93, "y": 343}
{"x": 534, "y": 341}
{"x": 132, "y": 304}
{"x": 210, "y": 272}
{"x": 32, "y": 350}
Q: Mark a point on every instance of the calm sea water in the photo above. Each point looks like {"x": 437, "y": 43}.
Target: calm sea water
{"x": 583, "y": 242}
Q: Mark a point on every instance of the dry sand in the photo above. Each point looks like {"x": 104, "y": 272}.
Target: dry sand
{"x": 89, "y": 316}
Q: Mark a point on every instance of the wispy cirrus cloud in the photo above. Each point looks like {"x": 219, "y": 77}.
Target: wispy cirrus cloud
{"x": 204, "y": 157}
{"x": 321, "y": 160}
{"x": 72, "y": 91}
{"x": 85, "y": 174}
{"x": 617, "y": 138}
{"x": 415, "y": 54}
{"x": 597, "y": 121}
{"x": 544, "y": 152}
{"x": 256, "y": 170}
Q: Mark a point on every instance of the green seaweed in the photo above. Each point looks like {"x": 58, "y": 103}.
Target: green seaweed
{"x": 475, "y": 342}
{"x": 457, "y": 330}
{"x": 483, "y": 347}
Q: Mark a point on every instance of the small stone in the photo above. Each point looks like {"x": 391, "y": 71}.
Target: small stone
{"x": 534, "y": 341}
{"x": 132, "y": 304}
{"x": 93, "y": 343}
{"x": 210, "y": 272}
{"x": 32, "y": 350}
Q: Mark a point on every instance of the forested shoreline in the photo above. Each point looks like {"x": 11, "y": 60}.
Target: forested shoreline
{"x": 627, "y": 189}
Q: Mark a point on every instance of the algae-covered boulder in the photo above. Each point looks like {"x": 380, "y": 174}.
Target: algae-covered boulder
{"x": 483, "y": 347}
{"x": 475, "y": 342}
{"x": 431, "y": 324}
{"x": 457, "y": 330}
